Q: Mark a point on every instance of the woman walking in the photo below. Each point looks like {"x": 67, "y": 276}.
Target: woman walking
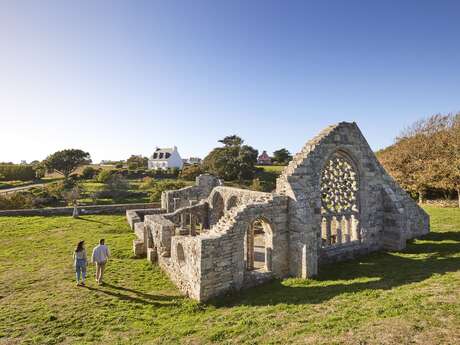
{"x": 80, "y": 262}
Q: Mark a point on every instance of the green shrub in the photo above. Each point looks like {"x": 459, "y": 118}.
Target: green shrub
{"x": 16, "y": 201}
{"x": 89, "y": 172}
{"x": 132, "y": 166}
{"x": 164, "y": 185}
{"x": 117, "y": 188}
{"x": 17, "y": 172}
{"x": 255, "y": 185}
{"x": 190, "y": 172}
{"x": 105, "y": 175}
{"x": 148, "y": 183}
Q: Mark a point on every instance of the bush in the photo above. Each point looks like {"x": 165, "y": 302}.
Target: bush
{"x": 117, "y": 187}
{"x": 89, "y": 172}
{"x": 17, "y": 172}
{"x": 164, "y": 185}
{"x": 148, "y": 183}
{"x": 255, "y": 185}
{"x": 105, "y": 175}
{"x": 132, "y": 166}
{"x": 16, "y": 201}
{"x": 190, "y": 172}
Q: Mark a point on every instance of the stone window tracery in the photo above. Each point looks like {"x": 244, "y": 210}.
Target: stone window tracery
{"x": 339, "y": 201}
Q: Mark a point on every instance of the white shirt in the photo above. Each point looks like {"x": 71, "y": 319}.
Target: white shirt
{"x": 100, "y": 253}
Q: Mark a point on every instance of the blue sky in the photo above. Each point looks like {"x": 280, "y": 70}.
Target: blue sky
{"x": 117, "y": 78}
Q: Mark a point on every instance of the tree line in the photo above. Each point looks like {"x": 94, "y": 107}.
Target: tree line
{"x": 425, "y": 158}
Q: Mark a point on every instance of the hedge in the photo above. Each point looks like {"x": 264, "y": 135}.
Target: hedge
{"x": 16, "y": 172}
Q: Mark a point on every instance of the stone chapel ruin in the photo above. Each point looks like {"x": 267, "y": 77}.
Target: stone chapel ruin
{"x": 334, "y": 201}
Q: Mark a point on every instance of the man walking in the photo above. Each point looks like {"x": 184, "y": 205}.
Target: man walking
{"x": 100, "y": 256}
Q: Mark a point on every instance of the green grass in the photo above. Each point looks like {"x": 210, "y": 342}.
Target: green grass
{"x": 409, "y": 297}
{"x": 277, "y": 169}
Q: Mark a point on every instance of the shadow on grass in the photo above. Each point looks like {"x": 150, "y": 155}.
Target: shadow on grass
{"x": 136, "y": 296}
{"x": 91, "y": 220}
{"x": 383, "y": 271}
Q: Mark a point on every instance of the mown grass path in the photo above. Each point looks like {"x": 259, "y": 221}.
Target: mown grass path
{"x": 411, "y": 297}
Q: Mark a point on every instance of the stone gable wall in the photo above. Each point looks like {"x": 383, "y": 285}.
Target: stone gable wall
{"x": 301, "y": 181}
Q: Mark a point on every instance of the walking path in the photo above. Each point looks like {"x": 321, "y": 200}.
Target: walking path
{"x": 17, "y": 189}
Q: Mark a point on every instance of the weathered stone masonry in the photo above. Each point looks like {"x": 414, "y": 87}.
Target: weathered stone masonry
{"x": 333, "y": 201}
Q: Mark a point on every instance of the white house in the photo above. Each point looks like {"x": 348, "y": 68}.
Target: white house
{"x": 193, "y": 160}
{"x": 165, "y": 158}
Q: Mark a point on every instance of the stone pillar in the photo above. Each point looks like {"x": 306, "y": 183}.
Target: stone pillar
{"x": 175, "y": 203}
{"x": 356, "y": 232}
{"x": 183, "y": 220}
{"x": 338, "y": 231}
{"x": 192, "y": 225}
{"x": 347, "y": 228}
{"x": 309, "y": 250}
{"x": 250, "y": 249}
{"x": 268, "y": 259}
{"x": 328, "y": 230}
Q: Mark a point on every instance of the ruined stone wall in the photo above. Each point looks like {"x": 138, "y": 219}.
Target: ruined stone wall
{"x": 223, "y": 256}
{"x": 334, "y": 183}
{"x": 178, "y": 256}
{"x": 175, "y": 199}
{"x": 223, "y": 199}
{"x": 137, "y": 215}
{"x": 199, "y": 213}
{"x": 301, "y": 182}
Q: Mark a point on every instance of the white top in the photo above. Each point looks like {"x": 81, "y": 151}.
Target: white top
{"x": 79, "y": 255}
{"x": 100, "y": 253}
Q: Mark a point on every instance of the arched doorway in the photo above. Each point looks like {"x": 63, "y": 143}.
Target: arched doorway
{"x": 258, "y": 245}
{"x": 340, "y": 211}
{"x": 217, "y": 208}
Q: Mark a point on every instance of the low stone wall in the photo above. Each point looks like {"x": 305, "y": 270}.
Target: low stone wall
{"x": 134, "y": 216}
{"x": 441, "y": 203}
{"x": 84, "y": 210}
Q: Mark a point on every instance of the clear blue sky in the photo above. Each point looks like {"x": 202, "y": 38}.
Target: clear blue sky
{"x": 117, "y": 78}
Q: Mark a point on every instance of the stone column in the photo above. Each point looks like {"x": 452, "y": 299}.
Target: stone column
{"x": 183, "y": 220}
{"x": 347, "y": 228}
{"x": 192, "y": 225}
{"x": 328, "y": 230}
{"x": 268, "y": 259}
{"x": 338, "y": 222}
{"x": 250, "y": 248}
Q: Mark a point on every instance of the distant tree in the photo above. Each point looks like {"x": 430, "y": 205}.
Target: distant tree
{"x": 137, "y": 162}
{"x": 282, "y": 156}
{"x": 232, "y": 141}
{"x": 65, "y": 162}
{"x": 426, "y": 156}
{"x": 190, "y": 172}
{"x": 105, "y": 174}
{"x": 89, "y": 172}
{"x": 449, "y": 142}
{"x": 233, "y": 161}
{"x": 40, "y": 170}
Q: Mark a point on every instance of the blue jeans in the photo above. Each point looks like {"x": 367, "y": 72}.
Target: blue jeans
{"x": 80, "y": 268}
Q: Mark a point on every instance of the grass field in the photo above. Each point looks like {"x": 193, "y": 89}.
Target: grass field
{"x": 277, "y": 169}
{"x": 410, "y": 297}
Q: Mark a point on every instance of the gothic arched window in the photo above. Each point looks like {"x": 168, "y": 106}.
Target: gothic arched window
{"x": 339, "y": 201}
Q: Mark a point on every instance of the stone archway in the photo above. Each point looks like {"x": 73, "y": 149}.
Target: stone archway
{"x": 232, "y": 202}
{"x": 258, "y": 245}
{"x": 217, "y": 208}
